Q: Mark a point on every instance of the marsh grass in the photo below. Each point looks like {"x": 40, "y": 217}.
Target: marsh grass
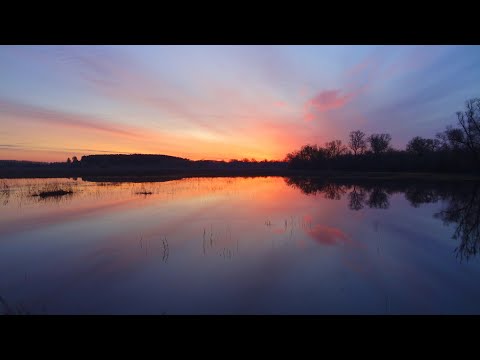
{"x": 109, "y": 183}
{"x": 4, "y": 192}
{"x": 4, "y": 188}
{"x": 144, "y": 191}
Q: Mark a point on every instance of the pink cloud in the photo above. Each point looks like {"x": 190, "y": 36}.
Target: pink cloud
{"x": 309, "y": 116}
{"x": 357, "y": 80}
{"x": 328, "y": 100}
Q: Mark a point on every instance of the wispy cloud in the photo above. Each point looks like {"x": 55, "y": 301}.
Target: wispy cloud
{"x": 28, "y": 147}
{"x": 8, "y": 146}
{"x": 224, "y": 101}
{"x": 378, "y": 69}
{"x": 213, "y": 106}
{"x": 113, "y": 73}
{"x": 45, "y": 115}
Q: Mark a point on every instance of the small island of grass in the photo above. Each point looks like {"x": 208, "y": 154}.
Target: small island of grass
{"x": 45, "y": 194}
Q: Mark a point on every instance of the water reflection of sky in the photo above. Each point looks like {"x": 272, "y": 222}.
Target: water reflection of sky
{"x": 230, "y": 245}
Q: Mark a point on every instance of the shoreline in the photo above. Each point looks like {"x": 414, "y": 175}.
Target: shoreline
{"x": 112, "y": 174}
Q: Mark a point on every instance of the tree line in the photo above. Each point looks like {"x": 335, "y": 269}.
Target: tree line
{"x": 168, "y": 162}
{"x": 456, "y": 149}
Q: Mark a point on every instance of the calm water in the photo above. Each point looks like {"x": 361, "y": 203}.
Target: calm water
{"x": 265, "y": 245}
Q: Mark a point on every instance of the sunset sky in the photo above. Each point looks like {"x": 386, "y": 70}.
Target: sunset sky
{"x": 223, "y": 102}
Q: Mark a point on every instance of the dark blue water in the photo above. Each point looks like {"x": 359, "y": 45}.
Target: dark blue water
{"x": 265, "y": 245}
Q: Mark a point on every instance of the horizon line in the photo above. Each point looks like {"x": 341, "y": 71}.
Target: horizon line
{"x": 130, "y": 154}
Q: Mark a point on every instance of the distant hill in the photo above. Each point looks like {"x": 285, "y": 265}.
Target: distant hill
{"x": 139, "y": 165}
{"x": 170, "y": 162}
{"x": 21, "y": 163}
{"x": 135, "y": 160}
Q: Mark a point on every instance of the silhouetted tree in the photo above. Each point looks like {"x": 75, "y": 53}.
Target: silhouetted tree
{"x": 75, "y": 160}
{"x": 379, "y": 142}
{"x": 334, "y": 149}
{"x": 421, "y": 146}
{"x": 452, "y": 139}
{"x": 308, "y": 156}
{"x": 357, "y": 142}
{"x": 69, "y": 161}
{"x": 470, "y": 124}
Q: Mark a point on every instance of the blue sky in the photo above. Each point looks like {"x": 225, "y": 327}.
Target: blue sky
{"x": 222, "y": 102}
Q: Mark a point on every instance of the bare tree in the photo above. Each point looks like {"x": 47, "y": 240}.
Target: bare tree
{"x": 379, "y": 142}
{"x": 335, "y": 148}
{"x": 357, "y": 142}
{"x": 469, "y": 121}
{"x": 451, "y": 139}
{"x": 422, "y": 146}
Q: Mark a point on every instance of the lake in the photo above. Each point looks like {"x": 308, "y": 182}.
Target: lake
{"x": 259, "y": 245}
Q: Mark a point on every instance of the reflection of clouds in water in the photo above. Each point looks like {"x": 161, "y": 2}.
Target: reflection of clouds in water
{"x": 57, "y": 215}
{"x": 324, "y": 234}
{"x": 204, "y": 197}
{"x": 462, "y": 202}
{"x": 328, "y": 235}
{"x": 254, "y": 243}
